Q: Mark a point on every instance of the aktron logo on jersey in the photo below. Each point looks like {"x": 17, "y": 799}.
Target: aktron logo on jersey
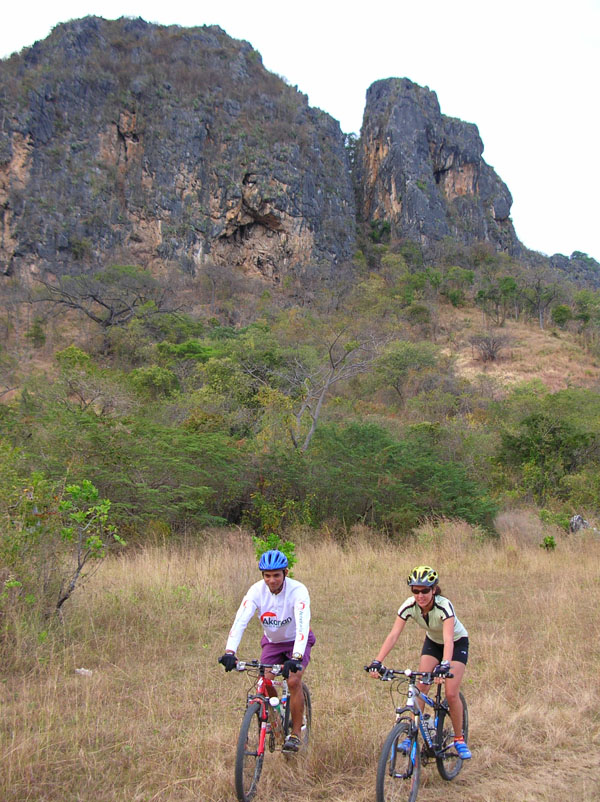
{"x": 269, "y": 619}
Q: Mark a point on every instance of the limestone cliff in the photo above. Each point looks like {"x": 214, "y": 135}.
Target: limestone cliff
{"x": 423, "y": 173}
{"x": 165, "y": 145}
{"x": 168, "y": 147}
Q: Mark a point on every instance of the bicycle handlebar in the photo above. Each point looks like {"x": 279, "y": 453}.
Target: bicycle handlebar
{"x": 246, "y": 665}
{"x": 389, "y": 674}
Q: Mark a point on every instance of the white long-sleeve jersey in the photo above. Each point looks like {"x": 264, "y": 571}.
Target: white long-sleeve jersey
{"x": 285, "y": 616}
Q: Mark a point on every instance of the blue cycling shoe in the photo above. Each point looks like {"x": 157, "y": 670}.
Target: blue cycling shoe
{"x": 462, "y": 749}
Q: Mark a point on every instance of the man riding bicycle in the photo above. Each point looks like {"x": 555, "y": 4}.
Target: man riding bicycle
{"x": 283, "y": 606}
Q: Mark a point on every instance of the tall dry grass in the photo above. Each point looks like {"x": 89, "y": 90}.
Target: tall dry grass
{"x": 157, "y": 719}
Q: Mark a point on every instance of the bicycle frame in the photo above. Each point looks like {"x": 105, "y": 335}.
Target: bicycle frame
{"x": 414, "y": 694}
{"x": 272, "y": 721}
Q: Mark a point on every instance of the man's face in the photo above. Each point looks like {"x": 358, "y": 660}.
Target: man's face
{"x": 274, "y": 579}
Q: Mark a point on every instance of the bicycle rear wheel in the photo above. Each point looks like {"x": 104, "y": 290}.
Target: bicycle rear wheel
{"x": 249, "y": 755}
{"x": 449, "y": 763}
{"x": 398, "y": 772}
{"x": 306, "y": 717}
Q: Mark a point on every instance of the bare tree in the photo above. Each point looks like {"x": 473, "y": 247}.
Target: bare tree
{"x": 542, "y": 289}
{"x": 111, "y": 297}
{"x": 490, "y": 344}
{"x": 344, "y": 360}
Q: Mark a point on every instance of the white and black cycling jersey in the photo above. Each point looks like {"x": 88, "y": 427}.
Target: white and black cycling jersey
{"x": 433, "y": 621}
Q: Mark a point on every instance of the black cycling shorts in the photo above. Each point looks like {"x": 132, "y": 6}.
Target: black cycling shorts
{"x": 460, "y": 654}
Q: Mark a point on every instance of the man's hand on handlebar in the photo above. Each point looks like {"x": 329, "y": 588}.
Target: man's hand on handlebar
{"x": 292, "y": 665}
{"x": 228, "y": 660}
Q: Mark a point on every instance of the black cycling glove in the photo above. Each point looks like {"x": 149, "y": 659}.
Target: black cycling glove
{"x": 228, "y": 660}
{"x": 374, "y": 665}
{"x": 291, "y": 665}
{"x": 442, "y": 669}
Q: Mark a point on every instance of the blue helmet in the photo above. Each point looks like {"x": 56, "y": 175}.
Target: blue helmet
{"x": 273, "y": 560}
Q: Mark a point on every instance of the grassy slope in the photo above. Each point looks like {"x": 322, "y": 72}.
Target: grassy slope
{"x": 157, "y": 720}
{"x": 553, "y": 356}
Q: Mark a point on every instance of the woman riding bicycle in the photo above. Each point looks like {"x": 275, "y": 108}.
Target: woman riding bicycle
{"x": 446, "y": 646}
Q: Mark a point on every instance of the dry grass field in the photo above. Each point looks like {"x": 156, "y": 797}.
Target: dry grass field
{"x": 157, "y": 719}
{"x": 555, "y": 357}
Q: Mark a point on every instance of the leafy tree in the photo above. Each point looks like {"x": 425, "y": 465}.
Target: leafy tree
{"x": 496, "y": 298}
{"x": 153, "y": 381}
{"x": 455, "y": 284}
{"x": 380, "y": 231}
{"x": 587, "y": 305}
{"x": 561, "y": 315}
{"x": 88, "y": 531}
{"x": 360, "y": 472}
{"x": 275, "y": 541}
{"x": 345, "y": 359}
{"x": 403, "y": 360}
{"x": 541, "y": 290}
{"x": 51, "y": 538}
{"x": 305, "y": 374}
{"x": 36, "y": 334}
{"x": 546, "y": 448}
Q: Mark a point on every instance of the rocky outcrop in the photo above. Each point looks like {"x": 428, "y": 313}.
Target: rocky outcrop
{"x": 159, "y": 145}
{"x": 423, "y": 174}
{"x": 172, "y": 148}
{"x": 579, "y": 268}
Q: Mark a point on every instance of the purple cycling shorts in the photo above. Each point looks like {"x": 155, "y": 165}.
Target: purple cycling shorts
{"x": 274, "y": 653}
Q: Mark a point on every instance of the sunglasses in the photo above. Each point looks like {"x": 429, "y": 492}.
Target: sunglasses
{"x": 421, "y": 591}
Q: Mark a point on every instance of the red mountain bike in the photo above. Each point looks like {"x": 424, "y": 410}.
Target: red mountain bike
{"x": 265, "y": 725}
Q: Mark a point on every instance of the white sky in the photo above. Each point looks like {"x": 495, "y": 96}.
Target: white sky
{"x": 526, "y": 72}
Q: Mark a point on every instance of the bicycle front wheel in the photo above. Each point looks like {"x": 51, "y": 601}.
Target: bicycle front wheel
{"x": 399, "y": 770}
{"x": 249, "y": 755}
{"x": 306, "y": 717}
{"x": 449, "y": 763}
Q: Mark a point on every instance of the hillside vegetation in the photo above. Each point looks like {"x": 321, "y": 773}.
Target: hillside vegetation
{"x": 189, "y": 402}
{"x": 446, "y": 413}
{"x": 157, "y": 718}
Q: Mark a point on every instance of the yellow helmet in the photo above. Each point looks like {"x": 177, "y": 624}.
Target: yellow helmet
{"x": 423, "y": 575}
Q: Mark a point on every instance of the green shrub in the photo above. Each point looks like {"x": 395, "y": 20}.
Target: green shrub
{"x": 153, "y": 381}
{"x": 561, "y": 315}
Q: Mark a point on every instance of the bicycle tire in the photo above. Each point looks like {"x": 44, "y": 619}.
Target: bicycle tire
{"x": 398, "y": 774}
{"x": 306, "y": 717}
{"x": 449, "y": 764}
{"x": 248, "y": 763}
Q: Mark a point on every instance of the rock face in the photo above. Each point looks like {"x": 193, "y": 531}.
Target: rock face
{"x": 422, "y": 172}
{"x": 170, "y": 148}
{"x": 581, "y": 269}
{"x": 165, "y": 145}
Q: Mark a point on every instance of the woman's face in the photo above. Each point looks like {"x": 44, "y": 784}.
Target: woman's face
{"x": 423, "y": 596}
